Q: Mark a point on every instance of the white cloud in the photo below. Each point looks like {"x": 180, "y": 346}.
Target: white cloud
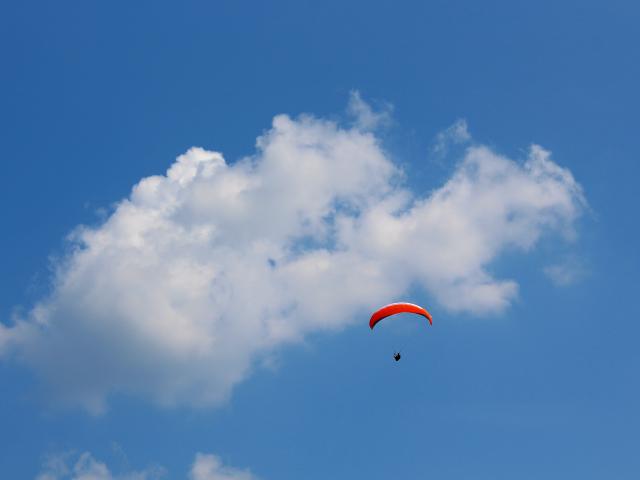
{"x": 455, "y": 134}
{"x": 86, "y": 467}
{"x": 68, "y": 466}
{"x": 566, "y": 272}
{"x": 210, "y": 467}
{"x": 366, "y": 118}
{"x": 208, "y": 269}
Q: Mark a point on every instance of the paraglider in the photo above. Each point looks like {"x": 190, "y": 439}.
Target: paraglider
{"x": 394, "y": 309}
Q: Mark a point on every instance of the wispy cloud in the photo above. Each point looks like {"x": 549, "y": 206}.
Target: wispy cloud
{"x": 455, "y": 134}
{"x": 210, "y": 467}
{"x": 365, "y": 117}
{"x": 566, "y": 272}
{"x": 204, "y": 271}
{"x": 70, "y": 466}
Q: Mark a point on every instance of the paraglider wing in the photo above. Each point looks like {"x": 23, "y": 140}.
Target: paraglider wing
{"x": 395, "y": 308}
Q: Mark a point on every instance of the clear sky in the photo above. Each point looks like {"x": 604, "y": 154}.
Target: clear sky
{"x": 202, "y": 202}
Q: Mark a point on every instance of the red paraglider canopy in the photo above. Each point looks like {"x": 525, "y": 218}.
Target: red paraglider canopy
{"x": 395, "y": 308}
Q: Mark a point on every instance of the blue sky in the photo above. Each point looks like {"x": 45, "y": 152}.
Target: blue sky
{"x": 186, "y": 337}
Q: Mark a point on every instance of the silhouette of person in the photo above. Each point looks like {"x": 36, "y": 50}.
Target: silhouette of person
{"x": 397, "y": 356}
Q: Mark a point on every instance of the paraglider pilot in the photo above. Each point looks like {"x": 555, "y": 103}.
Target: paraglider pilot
{"x": 397, "y": 356}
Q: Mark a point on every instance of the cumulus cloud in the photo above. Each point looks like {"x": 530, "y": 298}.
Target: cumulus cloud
{"x": 208, "y": 269}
